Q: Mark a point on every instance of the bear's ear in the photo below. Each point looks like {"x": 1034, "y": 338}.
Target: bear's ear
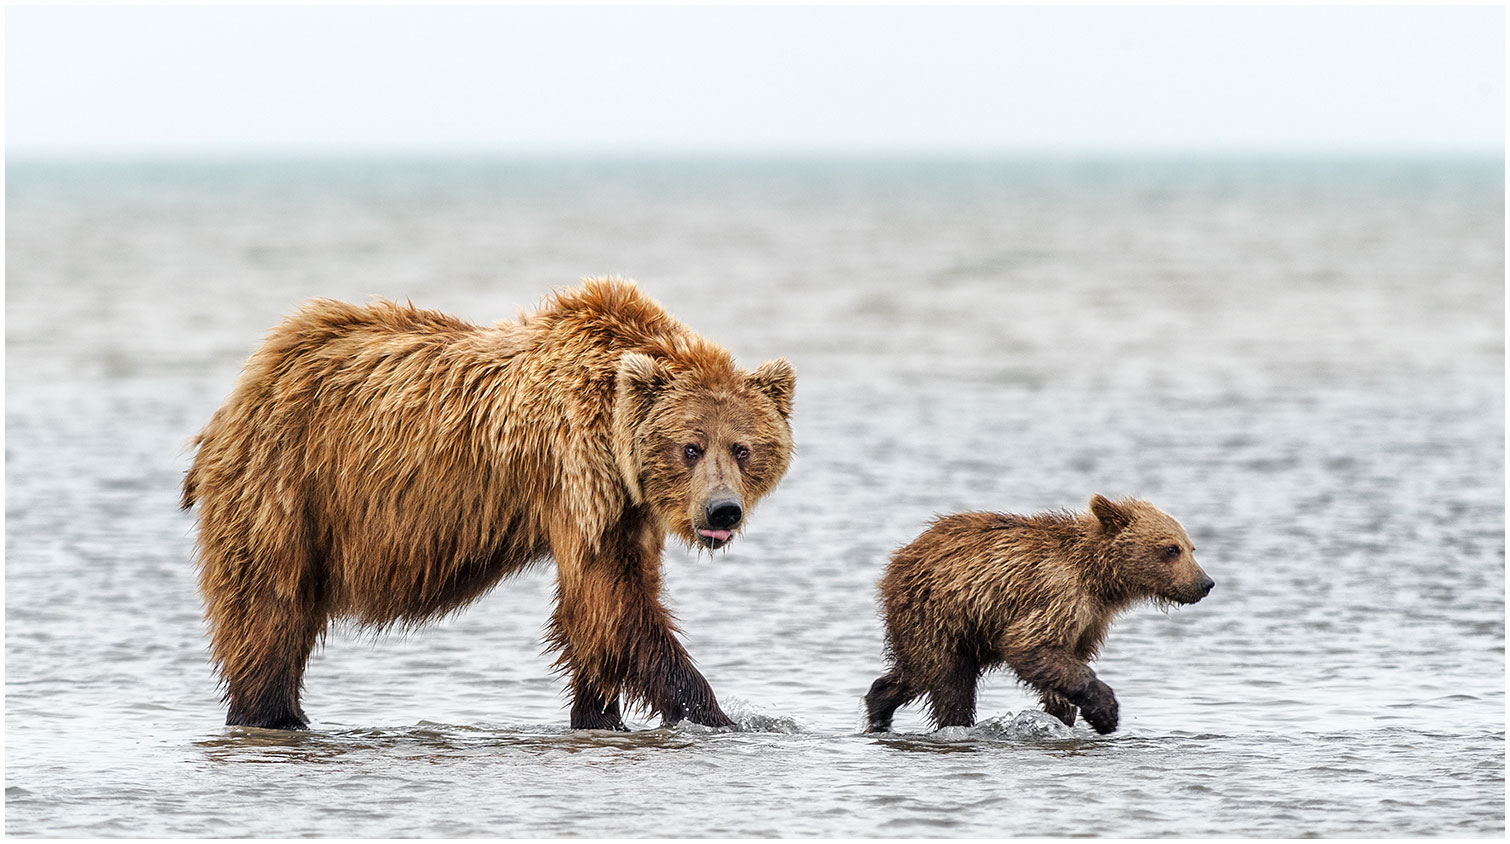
{"x": 639, "y": 379}
{"x": 1113, "y": 517}
{"x": 777, "y": 380}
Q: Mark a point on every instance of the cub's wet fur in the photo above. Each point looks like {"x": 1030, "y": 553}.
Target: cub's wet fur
{"x": 1037, "y": 593}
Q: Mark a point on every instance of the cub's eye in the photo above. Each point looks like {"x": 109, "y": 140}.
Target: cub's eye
{"x": 692, "y": 452}
{"x": 741, "y": 453}
{"x": 1171, "y": 552}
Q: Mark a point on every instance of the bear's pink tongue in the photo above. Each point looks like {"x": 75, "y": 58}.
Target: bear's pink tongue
{"x": 720, "y": 535}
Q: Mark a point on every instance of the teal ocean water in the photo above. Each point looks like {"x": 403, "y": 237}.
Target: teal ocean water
{"x": 1301, "y": 359}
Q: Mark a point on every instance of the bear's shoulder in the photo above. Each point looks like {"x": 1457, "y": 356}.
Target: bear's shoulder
{"x": 610, "y": 300}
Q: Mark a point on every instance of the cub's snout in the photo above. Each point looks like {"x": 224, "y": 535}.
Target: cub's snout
{"x": 1194, "y": 592}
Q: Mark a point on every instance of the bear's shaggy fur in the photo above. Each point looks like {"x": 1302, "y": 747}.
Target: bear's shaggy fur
{"x": 388, "y": 465}
{"x": 1038, "y": 593}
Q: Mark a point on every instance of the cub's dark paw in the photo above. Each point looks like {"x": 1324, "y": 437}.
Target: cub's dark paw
{"x": 1099, "y": 707}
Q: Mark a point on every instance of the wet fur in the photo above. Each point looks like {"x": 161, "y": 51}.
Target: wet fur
{"x": 388, "y": 465}
{"x": 1036, "y": 593}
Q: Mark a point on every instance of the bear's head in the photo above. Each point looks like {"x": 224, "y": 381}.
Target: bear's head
{"x": 1150, "y": 552}
{"x": 698, "y": 447}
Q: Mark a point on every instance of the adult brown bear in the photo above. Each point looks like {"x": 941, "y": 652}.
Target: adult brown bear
{"x": 388, "y": 465}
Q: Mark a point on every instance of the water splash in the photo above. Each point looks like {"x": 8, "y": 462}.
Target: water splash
{"x": 1027, "y": 724}
{"x": 752, "y": 718}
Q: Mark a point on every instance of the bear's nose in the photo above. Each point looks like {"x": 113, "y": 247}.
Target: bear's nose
{"x": 1206, "y": 585}
{"x": 724, "y": 513}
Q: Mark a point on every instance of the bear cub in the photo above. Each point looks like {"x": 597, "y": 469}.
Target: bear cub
{"x": 1037, "y": 593}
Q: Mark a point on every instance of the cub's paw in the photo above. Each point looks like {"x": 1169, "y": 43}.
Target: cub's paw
{"x": 1099, "y": 707}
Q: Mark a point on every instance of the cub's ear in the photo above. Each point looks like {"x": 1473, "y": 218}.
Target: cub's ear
{"x": 1113, "y": 517}
{"x": 776, "y": 379}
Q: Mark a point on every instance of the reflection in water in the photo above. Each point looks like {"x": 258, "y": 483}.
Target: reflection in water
{"x": 242, "y": 744}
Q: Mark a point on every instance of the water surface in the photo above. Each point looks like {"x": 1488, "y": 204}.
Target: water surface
{"x": 1300, "y": 360}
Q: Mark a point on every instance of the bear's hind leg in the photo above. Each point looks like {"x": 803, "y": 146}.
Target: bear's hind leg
{"x": 888, "y": 692}
{"x": 262, "y": 648}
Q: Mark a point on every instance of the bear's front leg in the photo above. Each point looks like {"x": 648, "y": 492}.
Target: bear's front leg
{"x": 592, "y": 710}
{"x": 682, "y": 692}
{"x": 660, "y": 671}
{"x": 616, "y": 636}
{"x": 1057, "y": 671}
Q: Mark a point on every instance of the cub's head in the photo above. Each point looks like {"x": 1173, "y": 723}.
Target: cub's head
{"x": 1151, "y": 552}
{"x": 698, "y": 450}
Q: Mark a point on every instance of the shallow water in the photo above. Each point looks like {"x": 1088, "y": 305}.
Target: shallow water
{"x": 1302, "y": 361}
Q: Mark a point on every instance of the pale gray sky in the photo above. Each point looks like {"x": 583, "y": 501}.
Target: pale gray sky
{"x": 1012, "y": 78}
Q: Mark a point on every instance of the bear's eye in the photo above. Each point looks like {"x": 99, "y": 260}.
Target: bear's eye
{"x": 741, "y": 453}
{"x": 1172, "y": 552}
{"x": 692, "y": 452}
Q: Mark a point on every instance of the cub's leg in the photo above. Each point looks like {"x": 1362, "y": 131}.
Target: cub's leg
{"x": 1058, "y": 707}
{"x": 952, "y": 695}
{"x": 888, "y": 692}
{"x": 1059, "y": 672}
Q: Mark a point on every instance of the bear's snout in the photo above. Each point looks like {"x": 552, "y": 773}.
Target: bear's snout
{"x": 724, "y": 514}
{"x": 720, "y": 517}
